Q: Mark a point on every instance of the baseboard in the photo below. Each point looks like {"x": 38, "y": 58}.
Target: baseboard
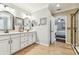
{"x": 42, "y": 44}
{"x": 53, "y": 42}
{"x": 68, "y": 43}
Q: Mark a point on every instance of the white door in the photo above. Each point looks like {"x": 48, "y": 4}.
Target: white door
{"x": 4, "y": 47}
{"x": 53, "y": 30}
{"x": 15, "y": 45}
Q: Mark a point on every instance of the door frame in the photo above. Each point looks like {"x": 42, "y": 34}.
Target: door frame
{"x": 65, "y": 25}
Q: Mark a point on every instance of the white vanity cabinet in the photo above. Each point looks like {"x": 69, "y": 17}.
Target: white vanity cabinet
{"x": 15, "y": 43}
{"x": 4, "y": 44}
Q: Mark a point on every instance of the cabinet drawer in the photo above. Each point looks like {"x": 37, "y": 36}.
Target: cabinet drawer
{"x": 22, "y": 35}
{"x": 24, "y": 44}
{"x": 2, "y": 37}
{"x": 24, "y": 40}
{"x": 28, "y": 34}
{"x": 15, "y": 35}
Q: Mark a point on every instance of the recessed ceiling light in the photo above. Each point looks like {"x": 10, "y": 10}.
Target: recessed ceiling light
{"x": 58, "y": 5}
{"x": 59, "y": 20}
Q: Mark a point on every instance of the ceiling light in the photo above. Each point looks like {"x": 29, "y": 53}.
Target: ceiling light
{"x": 59, "y": 20}
{"x": 1, "y": 6}
{"x": 58, "y": 5}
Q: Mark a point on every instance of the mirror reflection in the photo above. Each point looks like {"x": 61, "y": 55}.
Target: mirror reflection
{"x": 6, "y": 21}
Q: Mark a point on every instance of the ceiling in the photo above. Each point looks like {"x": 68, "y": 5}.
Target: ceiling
{"x": 32, "y": 7}
{"x": 63, "y": 7}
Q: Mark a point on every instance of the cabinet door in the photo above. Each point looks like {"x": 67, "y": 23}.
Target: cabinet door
{"x": 30, "y": 39}
{"x": 34, "y": 37}
{"x": 4, "y": 47}
{"x": 15, "y": 45}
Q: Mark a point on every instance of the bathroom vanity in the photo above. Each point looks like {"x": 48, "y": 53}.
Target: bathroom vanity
{"x": 15, "y": 41}
{"x": 17, "y": 33}
{"x": 13, "y": 33}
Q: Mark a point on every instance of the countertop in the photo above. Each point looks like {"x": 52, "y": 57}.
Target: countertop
{"x": 16, "y": 32}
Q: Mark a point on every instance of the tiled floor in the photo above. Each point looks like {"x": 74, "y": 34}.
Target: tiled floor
{"x": 58, "y": 48}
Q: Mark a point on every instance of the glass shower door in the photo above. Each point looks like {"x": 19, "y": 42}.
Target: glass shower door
{"x": 77, "y": 31}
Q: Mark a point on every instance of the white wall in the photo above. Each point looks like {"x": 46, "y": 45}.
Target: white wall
{"x": 43, "y": 31}
{"x": 42, "y": 13}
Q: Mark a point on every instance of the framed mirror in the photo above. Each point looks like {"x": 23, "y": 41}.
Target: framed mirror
{"x": 19, "y": 24}
{"x": 18, "y": 21}
{"x": 6, "y": 21}
{"x": 27, "y": 24}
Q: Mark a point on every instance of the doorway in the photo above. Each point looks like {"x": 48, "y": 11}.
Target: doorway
{"x": 61, "y": 28}
{"x": 53, "y": 30}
